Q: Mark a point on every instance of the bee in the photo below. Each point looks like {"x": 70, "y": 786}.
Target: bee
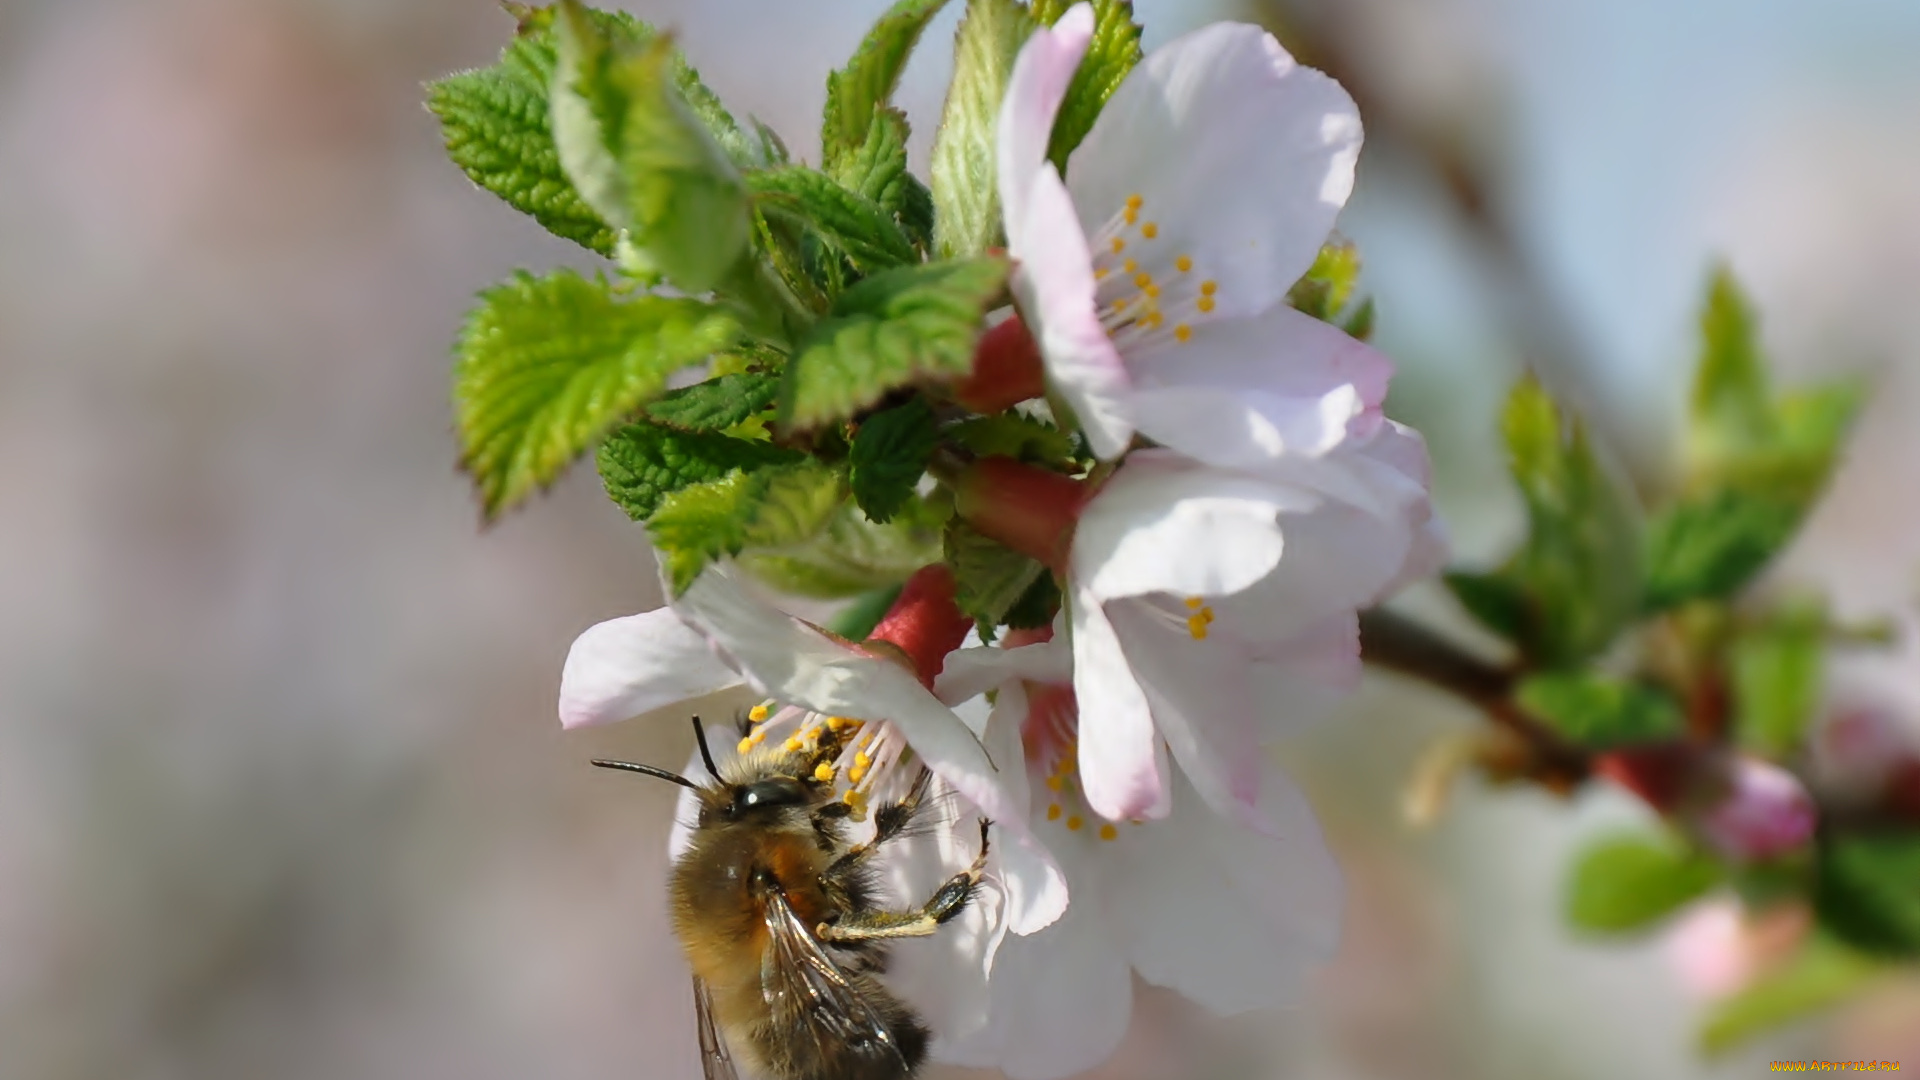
{"x": 776, "y": 910}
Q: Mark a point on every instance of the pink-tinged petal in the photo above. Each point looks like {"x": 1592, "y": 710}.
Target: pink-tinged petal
{"x": 1242, "y": 158}
{"x": 1338, "y": 559}
{"x": 1242, "y": 392}
{"x": 1034, "y": 91}
{"x": 624, "y": 667}
{"x": 1708, "y": 949}
{"x": 1201, "y": 703}
{"x": 1166, "y": 524}
{"x": 1269, "y": 914}
{"x": 1055, "y": 287}
{"x": 972, "y": 672}
{"x": 1298, "y": 680}
{"x": 1121, "y": 770}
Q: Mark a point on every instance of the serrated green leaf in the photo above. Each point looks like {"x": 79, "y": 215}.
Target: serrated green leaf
{"x": 1495, "y": 600}
{"x": 1868, "y": 892}
{"x": 1709, "y": 546}
{"x": 896, "y": 327}
{"x": 717, "y": 403}
{"x": 1580, "y": 567}
{"x": 546, "y": 365}
{"x": 877, "y": 169}
{"x": 1626, "y": 883}
{"x": 1011, "y": 434}
{"x": 965, "y": 194}
{"x": 771, "y": 507}
{"x": 866, "y": 84}
{"x": 889, "y": 456}
{"x": 1036, "y": 607}
{"x": 1821, "y": 975}
{"x": 1330, "y": 284}
{"x": 1779, "y": 671}
{"x": 1598, "y": 711}
{"x": 641, "y": 464}
{"x": 638, "y": 153}
{"x": 1114, "y": 51}
{"x": 850, "y": 221}
{"x": 853, "y": 555}
{"x": 990, "y": 577}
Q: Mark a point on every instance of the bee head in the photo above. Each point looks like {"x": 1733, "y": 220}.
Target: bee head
{"x": 768, "y": 794}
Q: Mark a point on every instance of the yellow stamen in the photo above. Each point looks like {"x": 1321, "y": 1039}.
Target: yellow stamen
{"x": 856, "y": 774}
{"x": 861, "y": 760}
{"x": 1133, "y": 214}
{"x": 1149, "y": 230}
{"x": 1208, "y": 288}
{"x": 1183, "y": 332}
{"x": 1135, "y": 202}
{"x": 1195, "y": 603}
{"x": 1184, "y": 264}
{"x": 1055, "y": 783}
{"x": 1100, "y": 273}
{"x": 1205, "y": 304}
{"x": 1108, "y": 832}
{"x": 823, "y": 772}
{"x": 1197, "y": 624}
{"x": 745, "y": 745}
{"x": 1129, "y": 266}
{"x": 757, "y": 714}
{"x": 1053, "y": 812}
{"x": 1074, "y": 823}
{"x": 1118, "y": 245}
{"x": 1152, "y": 291}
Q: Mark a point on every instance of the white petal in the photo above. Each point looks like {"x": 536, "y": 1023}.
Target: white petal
{"x": 1055, "y": 287}
{"x": 1297, "y": 681}
{"x": 1233, "y": 919}
{"x": 1034, "y": 90}
{"x": 944, "y": 977}
{"x": 1338, "y": 559}
{"x": 1121, "y": 771}
{"x": 971, "y": 672}
{"x": 624, "y": 667}
{"x": 1166, "y": 524}
{"x": 1243, "y": 159}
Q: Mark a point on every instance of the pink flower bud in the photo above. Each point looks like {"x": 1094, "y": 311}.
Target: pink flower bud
{"x": 924, "y": 622}
{"x": 1006, "y": 370}
{"x": 1028, "y": 509}
{"x": 1766, "y": 812}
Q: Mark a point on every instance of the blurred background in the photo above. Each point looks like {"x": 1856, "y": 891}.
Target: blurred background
{"x": 281, "y": 788}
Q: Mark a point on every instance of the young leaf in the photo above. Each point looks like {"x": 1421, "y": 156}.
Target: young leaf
{"x": 1709, "y": 546}
{"x": 876, "y": 170}
{"x": 1732, "y": 406}
{"x": 991, "y": 578}
{"x": 1580, "y": 565}
{"x": 639, "y": 155}
{"x": 853, "y": 555}
{"x": 889, "y": 455}
{"x": 774, "y": 506}
{"x": 966, "y": 195}
{"x": 1868, "y": 892}
{"x": 717, "y": 403}
{"x": 914, "y": 322}
{"x": 1495, "y": 600}
{"x": 1594, "y": 710}
{"x": 1628, "y": 882}
{"x": 547, "y": 365}
{"x": 641, "y": 464}
{"x": 850, "y": 221}
{"x": 1114, "y": 51}
{"x": 1013, "y": 435}
{"x": 494, "y": 122}
{"x": 1778, "y": 669}
{"x": 1330, "y": 282}
{"x": 1821, "y": 975}
{"x": 865, "y": 85}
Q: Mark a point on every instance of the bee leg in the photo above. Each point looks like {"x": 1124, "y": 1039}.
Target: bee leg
{"x": 947, "y": 902}
{"x": 888, "y": 822}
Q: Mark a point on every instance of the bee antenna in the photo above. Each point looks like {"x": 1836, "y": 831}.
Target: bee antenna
{"x": 706, "y": 755}
{"x": 649, "y": 770}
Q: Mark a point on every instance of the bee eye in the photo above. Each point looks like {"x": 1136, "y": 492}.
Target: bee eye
{"x": 762, "y": 794}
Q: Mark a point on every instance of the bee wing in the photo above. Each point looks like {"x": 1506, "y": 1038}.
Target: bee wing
{"x": 807, "y": 990}
{"x": 715, "y": 1062}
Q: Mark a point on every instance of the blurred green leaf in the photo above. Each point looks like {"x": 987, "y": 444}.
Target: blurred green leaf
{"x": 1821, "y": 975}
{"x": 1778, "y": 672}
{"x": 716, "y": 404}
{"x": 1495, "y": 601}
{"x": 1600, "y": 711}
{"x": 853, "y": 555}
{"x": 1035, "y": 608}
{"x": 1330, "y": 284}
{"x": 892, "y": 329}
{"x": 966, "y": 195}
{"x": 850, "y": 221}
{"x": 1014, "y": 435}
{"x": 641, "y": 464}
{"x": 1731, "y": 401}
{"x": 1114, "y": 51}
{"x": 866, "y": 84}
{"x": 990, "y": 578}
{"x": 545, "y": 366}
{"x": 774, "y": 506}
{"x": 638, "y": 153}
{"x": 1626, "y": 883}
{"x": 859, "y": 618}
{"x": 889, "y": 455}
{"x": 1709, "y": 546}
{"x": 1868, "y": 892}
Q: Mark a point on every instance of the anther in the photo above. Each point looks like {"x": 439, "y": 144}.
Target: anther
{"x": 1118, "y": 245}
{"x": 1183, "y": 332}
{"x": 1129, "y": 266}
{"x": 1149, "y": 230}
{"x": 757, "y": 714}
{"x": 823, "y": 772}
{"x": 1053, "y": 812}
{"x": 1205, "y": 304}
{"x": 1195, "y": 603}
{"x": 1135, "y": 202}
{"x": 861, "y": 760}
{"x": 1143, "y": 279}
{"x": 1074, "y": 823}
{"x": 745, "y": 745}
{"x": 794, "y": 744}
{"x": 1184, "y": 264}
{"x": 1056, "y": 783}
{"x": 1108, "y": 832}
{"x": 1152, "y": 291}
{"x": 1197, "y": 624}
{"x": 1132, "y": 214}
{"x": 1208, "y": 288}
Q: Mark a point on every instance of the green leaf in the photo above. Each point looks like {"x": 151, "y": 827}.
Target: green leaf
{"x": 865, "y": 85}
{"x": 859, "y": 618}
{"x": 717, "y": 403}
{"x": 896, "y": 327}
{"x": 1709, "y": 546}
{"x": 1868, "y": 892}
{"x": 1114, "y": 51}
{"x": 640, "y": 156}
{"x": 853, "y": 555}
{"x": 1036, "y": 607}
{"x": 1626, "y": 883}
{"x": 1014, "y": 435}
{"x": 850, "y": 221}
{"x": 774, "y": 506}
{"x": 494, "y": 122}
{"x": 546, "y": 365}
{"x": 990, "y": 577}
{"x": 1330, "y": 284}
{"x": 1580, "y": 566}
{"x": 1732, "y": 406}
{"x": 889, "y": 456}
{"x": 641, "y": 464}
{"x": 966, "y": 194}
{"x": 877, "y": 171}
{"x": 1821, "y": 975}
{"x": 1778, "y": 679}
{"x": 1595, "y": 710}
{"x": 1495, "y": 600}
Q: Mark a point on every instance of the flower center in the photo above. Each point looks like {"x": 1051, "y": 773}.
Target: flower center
{"x": 1145, "y": 291}
{"x": 1050, "y": 734}
{"x": 861, "y": 758}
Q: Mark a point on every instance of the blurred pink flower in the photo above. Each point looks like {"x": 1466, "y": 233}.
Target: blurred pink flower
{"x": 1717, "y": 947}
{"x": 1766, "y": 813}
